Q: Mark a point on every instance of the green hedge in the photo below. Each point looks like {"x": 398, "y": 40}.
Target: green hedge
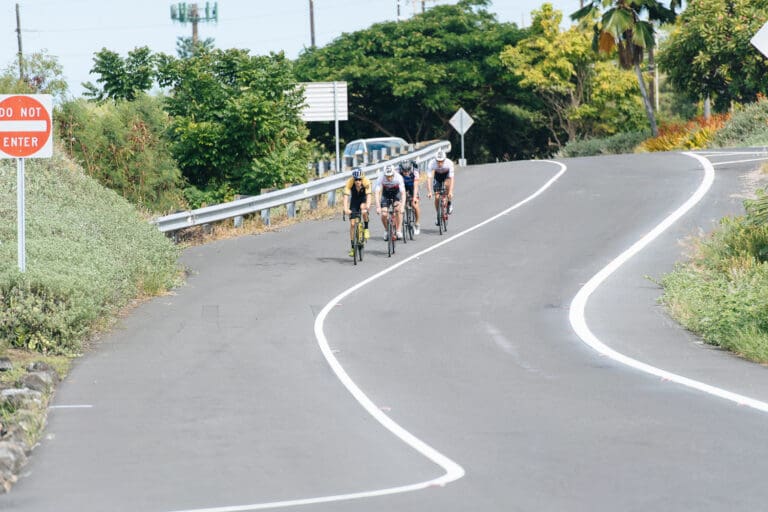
{"x": 88, "y": 253}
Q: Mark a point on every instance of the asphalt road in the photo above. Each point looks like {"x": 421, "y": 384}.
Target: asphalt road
{"x": 470, "y": 388}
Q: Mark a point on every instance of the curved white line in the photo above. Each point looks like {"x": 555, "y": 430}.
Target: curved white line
{"x": 453, "y": 471}
{"x": 579, "y": 323}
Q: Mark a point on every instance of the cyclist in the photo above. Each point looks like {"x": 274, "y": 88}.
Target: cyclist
{"x": 409, "y": 170}
{"x": 440, "y": 172}
{"x": 390, "y": 186}
{"x": 357, "y": 197}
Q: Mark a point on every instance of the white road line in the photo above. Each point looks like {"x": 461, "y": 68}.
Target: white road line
{"x": 453, "y": 471}
{"x": 731, "y": 153}
{"x": 579, "y": 323}
{"x": 741, "y": 161}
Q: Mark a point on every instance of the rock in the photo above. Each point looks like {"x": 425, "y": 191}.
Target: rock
{"x": 12, "y": 458}
{"x": 18, "y": 398}
{"x": 5, "y": 364}
{"x": 38, "y": 381}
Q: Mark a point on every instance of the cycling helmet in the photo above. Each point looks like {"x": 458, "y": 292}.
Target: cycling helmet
{"x": 440, "y": 156}
{"x": 406, "y": 166}
{"x": 357, "y": 173}
{"x": 389, "y": 171}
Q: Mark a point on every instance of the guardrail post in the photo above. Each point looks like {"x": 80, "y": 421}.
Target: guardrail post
{"x": 238, "y": 221}
{"x": 290, "y": 210}
{"x": 332, "y": 198}
{"x": 265, "y": 217}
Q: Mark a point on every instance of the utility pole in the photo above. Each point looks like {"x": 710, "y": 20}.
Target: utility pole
{"x": 189, "y": 13}
{"x": 18, "y": 36}
{"x": 312, "y": 21}
{"x": 398, "y": 10}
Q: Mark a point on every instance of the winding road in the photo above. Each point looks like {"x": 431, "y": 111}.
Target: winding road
{"x": 521, "y": 362}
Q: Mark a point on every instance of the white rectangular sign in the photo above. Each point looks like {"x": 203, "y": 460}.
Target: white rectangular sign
{"x": 325, "y": 101}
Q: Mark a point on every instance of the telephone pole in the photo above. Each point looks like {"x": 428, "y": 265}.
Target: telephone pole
{"x": 312, "y": 22}
{"x": 189, "y": 13}
{"x": 18, "y": 36}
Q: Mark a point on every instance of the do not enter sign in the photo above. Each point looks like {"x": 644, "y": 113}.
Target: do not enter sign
{"x": 25, "y": 126}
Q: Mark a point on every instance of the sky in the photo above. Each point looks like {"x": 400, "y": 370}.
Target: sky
{"x": 73, "y": 30}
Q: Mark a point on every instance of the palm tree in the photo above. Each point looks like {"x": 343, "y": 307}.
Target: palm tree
{"x": 627, "y": 26}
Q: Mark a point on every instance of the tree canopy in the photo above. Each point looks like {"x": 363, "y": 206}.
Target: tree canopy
{"x": 708, "y": 52}
{"x": 408, "y": 78}
{"x": 584, "y": 95}
{"x": 235, "y": 121}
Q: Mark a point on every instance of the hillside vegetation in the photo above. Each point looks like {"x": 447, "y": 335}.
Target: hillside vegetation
{"x": 88, "y": 253}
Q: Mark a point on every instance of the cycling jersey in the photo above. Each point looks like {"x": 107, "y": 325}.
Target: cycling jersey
{"x": 409, "y": 181}
{"x": 357, "y": 197}
{"x": 440, "y": 171}
{"x": 390, "y": 189}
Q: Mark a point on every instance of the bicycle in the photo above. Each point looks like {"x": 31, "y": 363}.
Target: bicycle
{"x": 358, "y": 240}
{"x": 391, "y": 227}
{"x": 442, "y": 208}
{"x": 409, "y": 219}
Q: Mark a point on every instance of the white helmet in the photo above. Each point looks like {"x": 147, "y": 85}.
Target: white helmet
{"x": 389, "y": 171}
{"x": 440, "y": 155}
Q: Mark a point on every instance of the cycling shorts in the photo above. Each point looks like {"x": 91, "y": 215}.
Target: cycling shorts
{"x": 385, "y": 198}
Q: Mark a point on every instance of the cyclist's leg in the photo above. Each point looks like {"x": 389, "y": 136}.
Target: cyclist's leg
{"x": 384, "y": 214}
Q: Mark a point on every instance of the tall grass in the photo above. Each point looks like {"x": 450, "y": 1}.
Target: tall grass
{"x": 88, "y": 253}
{"x": 721, "y": 293}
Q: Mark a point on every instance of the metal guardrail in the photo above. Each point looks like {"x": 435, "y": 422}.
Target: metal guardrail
{"x": 253, "y": 204}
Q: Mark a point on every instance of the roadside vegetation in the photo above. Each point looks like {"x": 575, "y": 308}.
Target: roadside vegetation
{"x": 159, "y": 133}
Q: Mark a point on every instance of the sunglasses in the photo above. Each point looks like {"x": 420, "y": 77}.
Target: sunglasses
{"x": 358, "y": 179}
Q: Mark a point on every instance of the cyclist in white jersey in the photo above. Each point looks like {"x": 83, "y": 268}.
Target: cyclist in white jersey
{"x": 440, "y": 172}
{"x": 388, "y": 186}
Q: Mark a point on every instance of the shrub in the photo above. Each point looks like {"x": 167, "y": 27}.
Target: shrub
{"x": 747, "y": 127}
{"x": 88, "y": 253}
{"x": 694, "y": 134}
{"x": 613, "y": 145}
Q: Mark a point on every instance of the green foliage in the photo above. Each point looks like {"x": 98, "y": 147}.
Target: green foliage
{"x": 584, "y": 95}
{"x": 122, "y": 79}
{"x": 235, "y": 121}
{"x": 88, "y": 253}
{"x": 709, "y": 52}
{"x": 122, "y": 144}
{"x": 613, "y": 145}
{"x": 408, "y": 78}
{"x": 42, "y": 75}
{"x": 748, "y": 126}
{"x": 722, "y": 293}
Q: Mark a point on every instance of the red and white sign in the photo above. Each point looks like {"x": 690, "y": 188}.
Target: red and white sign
{"x": 25, "y": 126}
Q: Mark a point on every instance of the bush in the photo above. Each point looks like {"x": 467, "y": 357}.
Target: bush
{"x": 88, "y": 253}
{"x": 613, "y": 145}
{"x": 747, "y": 127}
{"x": 122, "y": 145}
{"x": 694, "y": 134}
{"x": 722, "y": 293}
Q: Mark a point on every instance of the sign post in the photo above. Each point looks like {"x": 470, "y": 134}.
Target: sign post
{"x": 25, "y": 132}
{"x": 461, "y": 121}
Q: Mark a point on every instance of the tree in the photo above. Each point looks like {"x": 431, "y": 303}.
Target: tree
{"x": 122, "y": 145}
{"x": 236, "y": 123}
{"x": 584, "y": 95}
{"x": 623, "y": 29}
{"x": 122, "y": 78}
{"x": 408, "y": 78}
{"x": 186, "y": 48}
{"x": 708, "y": 53}
{"x": 43, "y": 75}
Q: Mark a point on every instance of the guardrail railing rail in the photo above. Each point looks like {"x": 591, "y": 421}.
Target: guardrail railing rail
{"x": 286, "y": 196}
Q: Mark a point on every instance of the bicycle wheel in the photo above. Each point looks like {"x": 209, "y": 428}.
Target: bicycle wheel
{"x": 360, "y": 242}
{"x": 404, "y": 225}
{"x": 392, "y": 234}
{"x": 409, "y": 222}
{"x": 444, "y": 218}
{"x": 440, "y": 216}
{"x": 412, "y": 224}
